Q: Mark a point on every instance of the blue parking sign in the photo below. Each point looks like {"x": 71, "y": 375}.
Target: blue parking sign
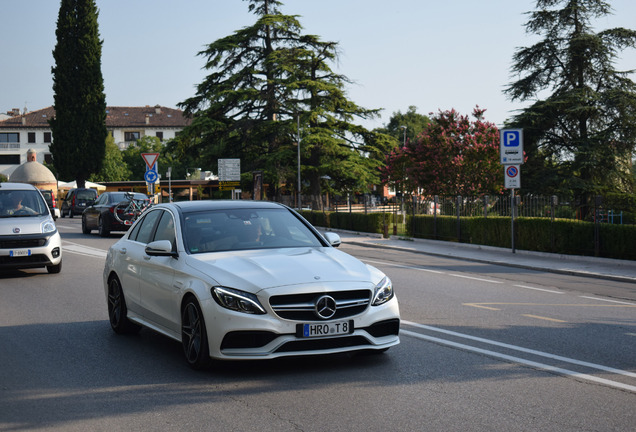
{"x": 511, "y": 146}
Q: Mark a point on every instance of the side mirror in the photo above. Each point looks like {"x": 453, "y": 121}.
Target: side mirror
{"x": 160, "y": 248}
{"x": 333, "y": 239}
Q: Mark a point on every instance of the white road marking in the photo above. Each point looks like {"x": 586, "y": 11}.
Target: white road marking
{"x": 79, "y": 249}
{"x": 539, "y": 289}
{"x": 525, "y": 350}
{"x": 610, "y": 301}
{"x": 475, "y": 278}
{"x": 523, "y": 361}
{"x": 404, "y": 266}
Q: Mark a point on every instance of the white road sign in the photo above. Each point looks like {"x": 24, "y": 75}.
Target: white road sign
{"x": 513, "y": 177}
{"x": 511, "y": 146}
{"x": 229, "y": 170}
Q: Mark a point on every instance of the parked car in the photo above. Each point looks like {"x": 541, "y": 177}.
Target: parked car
{"x": 77, "y": 200}
{"x": 245, "y": 280}
{"x": 51, "y": 201}
{"x": 101, "y": 215}
{"x": 28, "y": 235}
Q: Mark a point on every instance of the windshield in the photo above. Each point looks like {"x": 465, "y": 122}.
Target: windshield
{"x": 239, "y": 229}
{"x": 22, "y": 203}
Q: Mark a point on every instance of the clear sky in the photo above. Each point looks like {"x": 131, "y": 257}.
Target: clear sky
{"x": 433, "y": 54}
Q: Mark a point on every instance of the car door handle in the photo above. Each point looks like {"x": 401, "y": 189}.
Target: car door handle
{"x": 122, "y": 251}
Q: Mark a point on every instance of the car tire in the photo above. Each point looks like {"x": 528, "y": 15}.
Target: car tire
{"x": 54, "y": 269}
{"x": 194, "y": 336}
{"x": 85, "y": 228}
{"x": 102, "y": 228}
{"x": 62, "y": 214}
{"x": 70, "y": 212}
{"x": 117, "y": 310}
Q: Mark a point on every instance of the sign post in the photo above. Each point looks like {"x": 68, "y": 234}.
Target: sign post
{"x": 511, "y": 156}
{"x": 152, "y": 172}
{"x": 229, "y": 174}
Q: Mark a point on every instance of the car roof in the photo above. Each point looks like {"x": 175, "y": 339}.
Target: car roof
{"x": 203, "y": 205}
{"x": 17, "y": 186}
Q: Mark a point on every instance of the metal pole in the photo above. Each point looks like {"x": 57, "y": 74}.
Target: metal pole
{"x": 512, "y": 219}
{"x": 298, "y": 141}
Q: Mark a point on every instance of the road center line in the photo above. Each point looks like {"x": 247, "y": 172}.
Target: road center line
{"x": 543, "y": 318}
{"x": 525, "y": 350}
{"x": 539, "y": 289}
{"x": 523, "y": 361}
{"x": 474, "y": 278}
{"x": 404, "y": 266}
{"x": 610, "y": 301}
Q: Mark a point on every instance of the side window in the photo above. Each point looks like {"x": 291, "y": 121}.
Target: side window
{"x": 165, "y": 229}
{"x": 144, "y": 232}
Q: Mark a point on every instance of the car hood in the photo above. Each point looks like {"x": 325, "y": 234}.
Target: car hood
{"x": 269, "y": 268}
{"x": 26, "y": 224}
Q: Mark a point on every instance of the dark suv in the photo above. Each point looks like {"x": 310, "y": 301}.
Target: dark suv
{"x": 77, "y": 200}
{"x": 49, "y": 197}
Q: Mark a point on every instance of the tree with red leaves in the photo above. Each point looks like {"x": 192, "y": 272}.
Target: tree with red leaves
{"x": 453, "y": 155}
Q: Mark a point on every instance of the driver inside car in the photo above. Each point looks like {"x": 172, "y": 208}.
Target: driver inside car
{"x": 13, "y": 205}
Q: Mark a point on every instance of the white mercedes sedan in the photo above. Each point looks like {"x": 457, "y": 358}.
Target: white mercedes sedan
{"x": 245, "y": 280}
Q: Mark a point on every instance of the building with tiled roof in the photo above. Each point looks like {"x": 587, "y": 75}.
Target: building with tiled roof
{"x": 31, "y": 130}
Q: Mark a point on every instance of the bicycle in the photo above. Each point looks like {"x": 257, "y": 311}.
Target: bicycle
{"x": 127, "y": 212}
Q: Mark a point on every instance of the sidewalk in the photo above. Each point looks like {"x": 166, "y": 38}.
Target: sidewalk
{"x": 602, "y": 268}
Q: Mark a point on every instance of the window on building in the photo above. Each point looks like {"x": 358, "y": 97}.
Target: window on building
{"x": 31, "y": 137}
{"x": 47, "y": 137}
{"x": 160, "y": 136}
{"x": 9, "y": 137}
{"x": 48, "y": 158}
{"x": 131, "y": 136}
{"x": 9, "y": 159}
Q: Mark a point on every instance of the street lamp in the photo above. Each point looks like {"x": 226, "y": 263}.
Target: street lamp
{"x": 298, "y": 143}
{"x": 404, "y": 129}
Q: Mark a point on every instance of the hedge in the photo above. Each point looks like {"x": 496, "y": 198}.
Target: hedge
{"x": 564, "y": 236}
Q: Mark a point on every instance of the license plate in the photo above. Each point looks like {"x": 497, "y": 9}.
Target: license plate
{"x": 20, "y": 252}
{"x": 334, "y": 328}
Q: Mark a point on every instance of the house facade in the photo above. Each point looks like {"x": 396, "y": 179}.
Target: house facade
{"x": 20, "y": 132}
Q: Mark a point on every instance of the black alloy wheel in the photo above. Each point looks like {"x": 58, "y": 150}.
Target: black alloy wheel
{"x": 102, "y": 227}
{"x": 85, "y": 228}
{"x": 194, "y": 336}
{"x": 117, "y": 309}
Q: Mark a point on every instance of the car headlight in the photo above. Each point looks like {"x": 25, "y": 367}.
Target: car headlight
{"x": 383, "y": 292}
{"x": 48, "y": 227}
{"x": 239, "y": 301}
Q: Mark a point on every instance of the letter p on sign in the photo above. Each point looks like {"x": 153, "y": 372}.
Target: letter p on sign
{"x": 511, "y": 138}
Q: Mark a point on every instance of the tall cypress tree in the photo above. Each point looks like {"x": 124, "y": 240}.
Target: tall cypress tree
{"x": 580, "y": 137}
{"x": 79, "y": 126}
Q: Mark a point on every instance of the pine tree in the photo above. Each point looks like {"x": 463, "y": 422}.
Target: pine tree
{"x": 585, "y": 128}
{"x": 265, "y": 80}
{"x": 79, "y": 128}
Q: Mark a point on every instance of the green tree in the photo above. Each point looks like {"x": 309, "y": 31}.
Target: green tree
{"x": 264, "y": 80}
{"x": 585, "y": 127}
{"x": 409, "y": 124}
{"x": 79, "y": 128}
{"x": 113, "y": 168}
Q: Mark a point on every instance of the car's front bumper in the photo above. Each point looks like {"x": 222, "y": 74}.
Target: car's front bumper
{"x": 30, "y": 250}
{"x": 235, "y": 336}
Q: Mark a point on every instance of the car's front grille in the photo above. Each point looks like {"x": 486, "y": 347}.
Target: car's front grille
{"x": 23, "y": 241}
{"x": 324, "y": 344}
{"x": 302, "y": 307}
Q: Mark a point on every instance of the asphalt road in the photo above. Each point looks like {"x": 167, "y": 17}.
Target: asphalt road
{"x": 484, "y": 348}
